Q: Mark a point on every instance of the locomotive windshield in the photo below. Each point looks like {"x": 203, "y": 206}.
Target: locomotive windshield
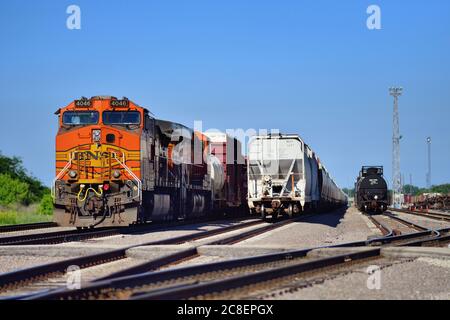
{"x": 121, "y": 117}
{"x": 75, "y": 118}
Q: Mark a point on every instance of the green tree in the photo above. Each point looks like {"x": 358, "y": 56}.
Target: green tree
{"x": 13, "y": 190}
{"x": 443, "y": 188}
{"x": 349, "y": 192}
{"x": 46, "y": 205}
{"x": 410, "y": 189}
{"x": 14, "y": 168}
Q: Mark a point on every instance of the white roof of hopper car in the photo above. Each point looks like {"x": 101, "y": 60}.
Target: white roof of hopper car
{"x": 277, "y": 136}
{"x": 216, "y": 136}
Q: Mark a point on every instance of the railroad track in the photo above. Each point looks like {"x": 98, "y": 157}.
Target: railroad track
{"x": 391, "y": 225}
{"x": 25, "y": 277}
{"x": 58, "y": 236}
{"x": 433, "y": 215}
{"x": 27, "y": 226}
{"x": 421, "y": 236}
{"x": 227, "y": 278}
{"x": 210, "y": 280}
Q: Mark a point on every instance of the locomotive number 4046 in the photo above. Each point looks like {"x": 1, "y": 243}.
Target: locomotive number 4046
{"x": 119, "y": 103}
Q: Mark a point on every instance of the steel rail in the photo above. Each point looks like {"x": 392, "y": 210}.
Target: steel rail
{"x": 58, "y": 236}
{"x": 109, "y": 286}
{"x": 14, "y": 278}
{"x": 253, "y": 233}
{"x": 385, "y": 230}
{"x": 444, "y": 236}
{"x": 203, "y": 289}
{"x": 27, "y": 226}
{"x": 78, "y": 235}
{"x": 407, "y": 223}
{"x": 439, "y": 213}
{"x": 166, "y": 275}
{"x": 206, "y": 234}
{"x": 211, "y": 287}
{"x": 192, "y": 252}
{"x": 434, "y": 216}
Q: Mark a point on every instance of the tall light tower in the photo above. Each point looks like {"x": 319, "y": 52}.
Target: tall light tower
{"x": 396, "y": 176}
{"x": 429, "y": 163}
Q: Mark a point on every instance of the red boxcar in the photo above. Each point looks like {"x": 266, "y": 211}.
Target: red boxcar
{"x": 227, "y": 152}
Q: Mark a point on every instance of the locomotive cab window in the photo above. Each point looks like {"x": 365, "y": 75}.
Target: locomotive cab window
{"x": 75, "y": 118}
{"x": 122, "y": 117}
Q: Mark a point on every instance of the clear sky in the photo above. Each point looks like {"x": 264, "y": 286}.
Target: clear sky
{"x": 308, "y": 67}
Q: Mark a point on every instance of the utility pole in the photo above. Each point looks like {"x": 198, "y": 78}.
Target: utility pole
{"x": 410, "y": 184}
{"x": 429, "y": 163}
{"x": 402, "y": 183}
{"x": 396, "y": 175}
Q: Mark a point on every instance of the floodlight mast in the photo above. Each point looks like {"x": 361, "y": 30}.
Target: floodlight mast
{"x": 429, "y": 163}
{"x": 396, "y": 175}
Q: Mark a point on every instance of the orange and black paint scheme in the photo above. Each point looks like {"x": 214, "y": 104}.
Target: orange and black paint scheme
{"x": 116, "y": 165}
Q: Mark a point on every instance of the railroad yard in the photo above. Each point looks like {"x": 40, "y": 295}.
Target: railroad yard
{"x": 333, "y": 255}
{"x": 224, "y": 159}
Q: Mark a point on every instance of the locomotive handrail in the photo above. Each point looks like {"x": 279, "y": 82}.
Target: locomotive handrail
{"x": 60, "y": 174}
{"x": 131, "y": 173}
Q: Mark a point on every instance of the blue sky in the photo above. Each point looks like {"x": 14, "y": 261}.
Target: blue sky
{"x": 307, "y": 67}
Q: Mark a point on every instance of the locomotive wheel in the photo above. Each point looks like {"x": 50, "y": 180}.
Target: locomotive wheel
{"x": 290, "y": 211}
{"x": 263, "y": 212}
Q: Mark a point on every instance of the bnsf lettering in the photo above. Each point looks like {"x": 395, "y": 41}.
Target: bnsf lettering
{"x": 89, "y": 155}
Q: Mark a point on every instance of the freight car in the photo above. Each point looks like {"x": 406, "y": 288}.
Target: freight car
{"x": 371, "y": 191}
{"x": 117, "y": 165}
{"x": 436, "y": 201}
{"x": 286, "y": 177}
{"x": 230, "y": 184}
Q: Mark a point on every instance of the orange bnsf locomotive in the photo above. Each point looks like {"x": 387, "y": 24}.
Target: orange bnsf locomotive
{"x": 116, "y": 165}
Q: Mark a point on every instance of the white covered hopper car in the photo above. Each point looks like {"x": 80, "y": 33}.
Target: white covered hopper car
{"x": 286, "y": 177}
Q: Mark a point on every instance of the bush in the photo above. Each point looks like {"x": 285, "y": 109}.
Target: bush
{"x": 443, "y": 188}
{"x": 13, "y": 167}
{"x": 13, "y": 191}
{"x": 46, "y": 205}
{"x": 11, "y": 216}
{"x": 8, "y": 217}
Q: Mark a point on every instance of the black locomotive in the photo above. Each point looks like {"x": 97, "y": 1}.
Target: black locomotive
{"x": 371, "y": 191}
